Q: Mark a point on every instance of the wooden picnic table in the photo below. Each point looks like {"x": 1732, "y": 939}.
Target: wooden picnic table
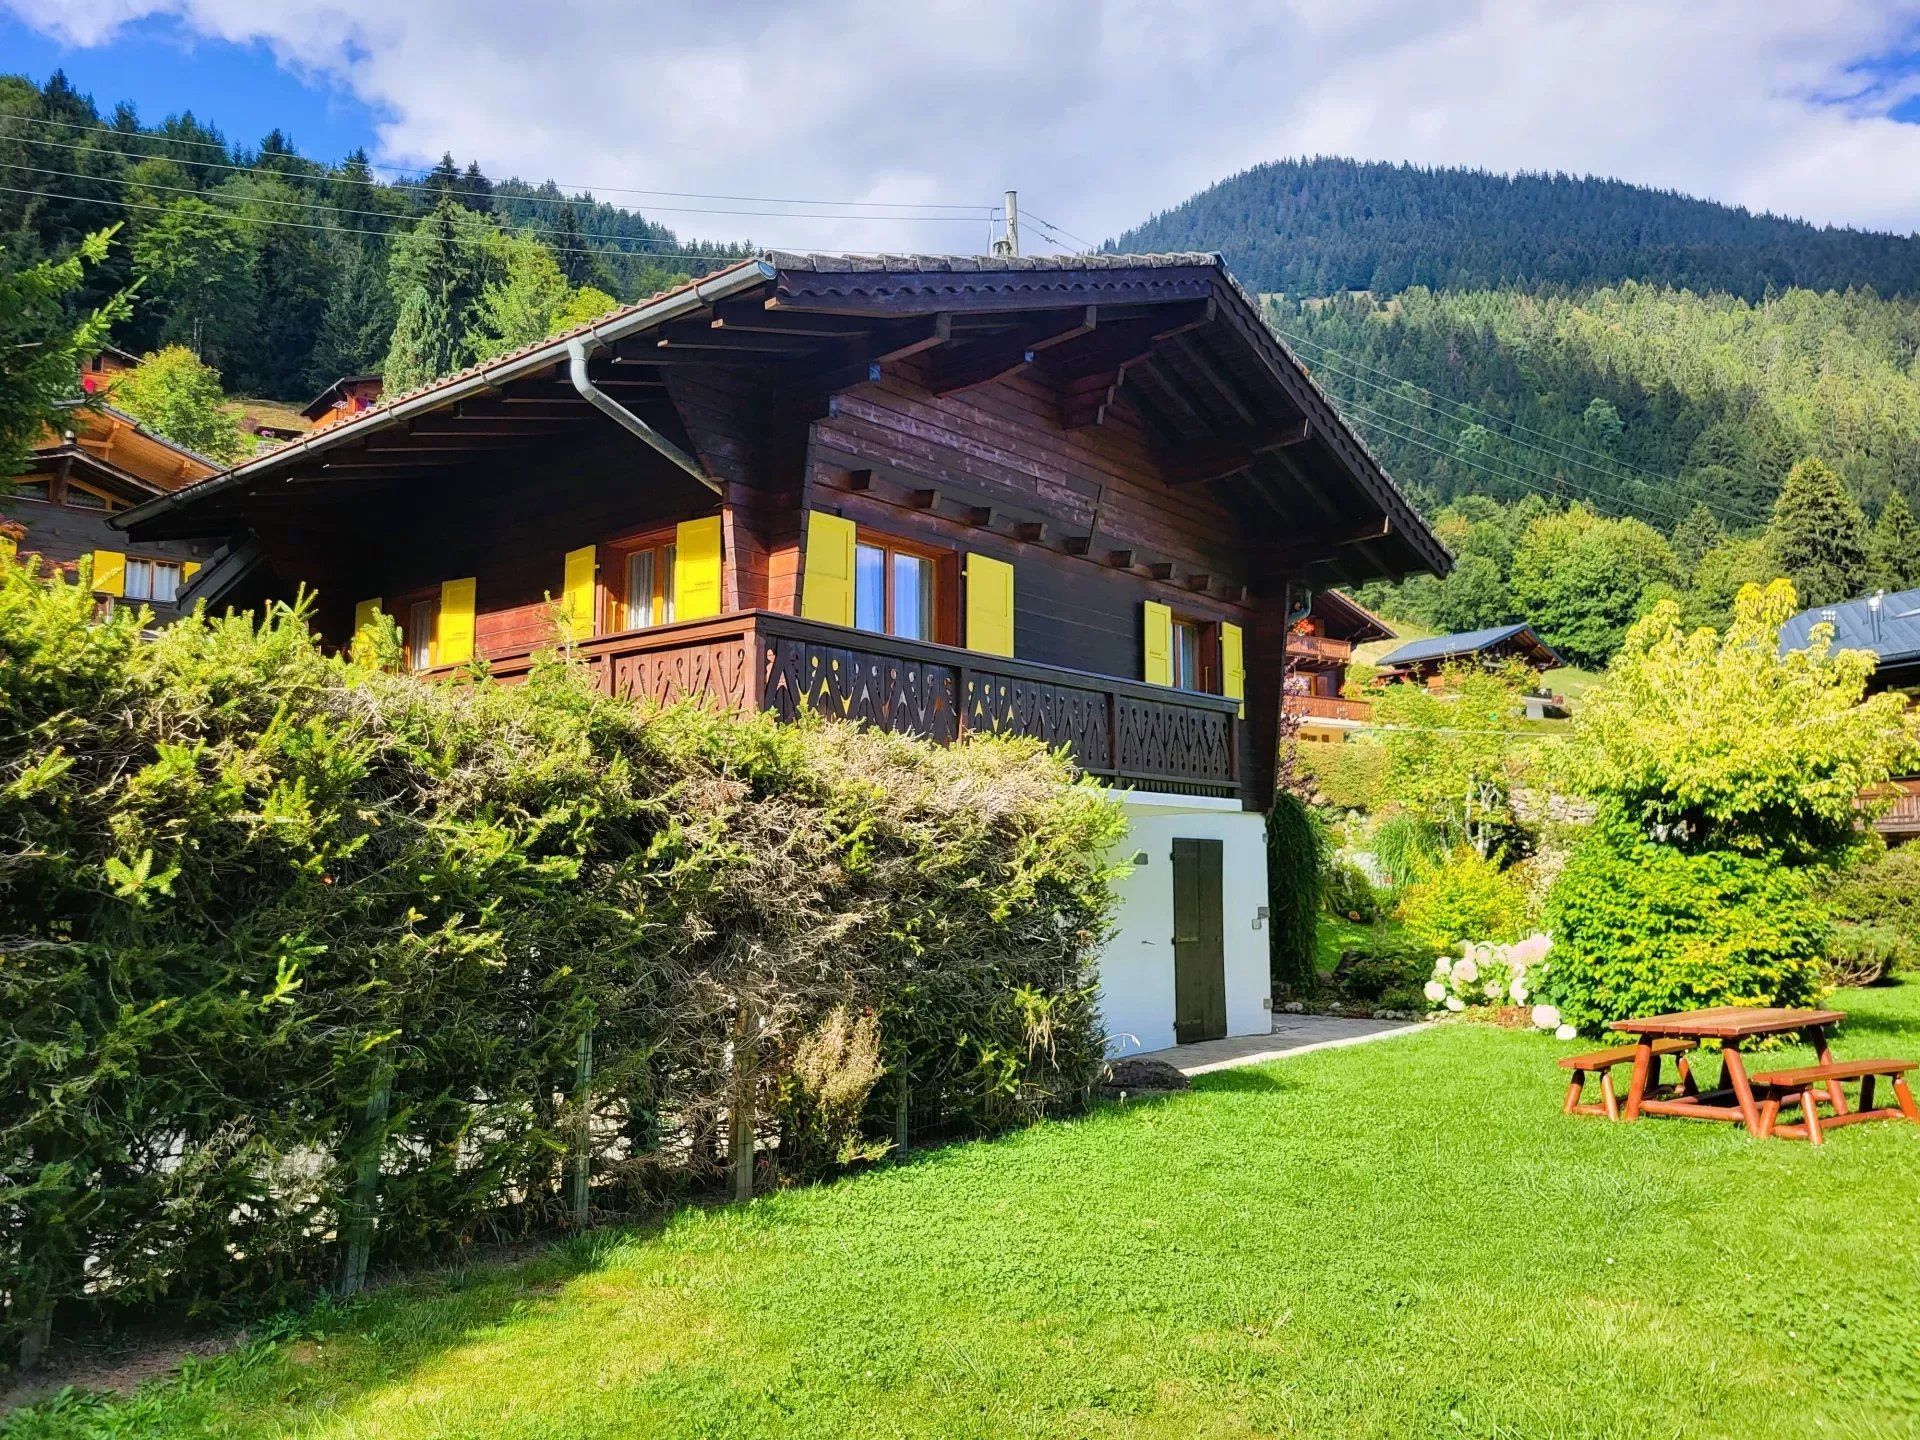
{"x": 1733, "y": 1098}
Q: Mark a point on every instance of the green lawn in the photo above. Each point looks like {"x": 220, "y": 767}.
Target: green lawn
{"x": 1402, "y": 1239}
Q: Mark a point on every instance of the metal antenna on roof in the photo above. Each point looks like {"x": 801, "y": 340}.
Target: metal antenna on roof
{"x": 1010, "y": 243}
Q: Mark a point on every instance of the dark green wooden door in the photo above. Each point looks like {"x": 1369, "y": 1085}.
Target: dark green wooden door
{"x": 1199, "y": 943}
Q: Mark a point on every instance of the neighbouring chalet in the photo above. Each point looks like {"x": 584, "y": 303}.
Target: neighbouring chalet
{"x": 1889, "y": 627}
{"x": 1423, "y": 660}
{"x": 345, "y": 398}
{"x": 97, "y": 464}
{"x": 1076, "y": 498}
{"x": 1321, "y": 648}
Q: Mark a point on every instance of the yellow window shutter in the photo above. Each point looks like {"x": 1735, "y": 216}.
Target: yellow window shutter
{"x": 577, "y": 593}
{"x": 989, "y": 605}
{"x": 1233, "y": 666}
{"x": 453, "y": 636}
{"x": 109, "y": 572}
{"x": 827, "y": 591}
{"x": 188, "y": 569}
{"x": 696, "y": 568}
{"x": 1157, "y": 663}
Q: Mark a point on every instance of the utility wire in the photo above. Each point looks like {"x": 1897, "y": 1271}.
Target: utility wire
{"x": 160, "y": 138}
{"x": 1338, "y": 360}
{"x": 226, "y": 215}
{"x": 385, "y": 215}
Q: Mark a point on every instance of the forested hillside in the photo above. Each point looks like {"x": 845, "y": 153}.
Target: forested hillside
{"x": 285, "y": 271}
{"x": 1315, "y": 227}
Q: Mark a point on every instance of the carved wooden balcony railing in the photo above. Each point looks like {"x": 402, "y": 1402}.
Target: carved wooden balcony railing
{"x": 1319, "y": 647}
{"x": 1902, "y": 818}
{"x": 1124, "y": 731}
{"x": 1327, "y": 707}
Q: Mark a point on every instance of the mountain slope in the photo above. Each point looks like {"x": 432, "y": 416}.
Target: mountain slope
{"x": 1315, "y": 227}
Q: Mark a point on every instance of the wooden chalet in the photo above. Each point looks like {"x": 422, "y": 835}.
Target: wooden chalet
{"x": 1887, "y": 626}
{"x": 345, "y": 398}
{"x": 1423, "y": 660}
{"x": 1320, "y": 648}
{"x": 98, "y": 463}
{"x": 1072, "y": 497}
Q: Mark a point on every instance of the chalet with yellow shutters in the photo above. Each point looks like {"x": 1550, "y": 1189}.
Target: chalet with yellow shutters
{"x": 97, "y": 463}
{"x": 1081, "y": 498}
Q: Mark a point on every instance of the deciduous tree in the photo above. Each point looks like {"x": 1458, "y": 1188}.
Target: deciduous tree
{"x": 178, "y": 395}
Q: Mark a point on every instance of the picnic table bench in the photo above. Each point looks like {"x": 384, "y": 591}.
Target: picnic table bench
{"x": 1602, "y": 1062}
{"x": 1804, "y": 1085}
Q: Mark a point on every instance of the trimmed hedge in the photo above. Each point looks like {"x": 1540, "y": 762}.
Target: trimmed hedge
{"x": 298, "y": 954}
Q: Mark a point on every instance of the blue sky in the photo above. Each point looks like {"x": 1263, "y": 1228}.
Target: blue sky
{"x": 867, "y": 112}
{"x": 163, "y": 67}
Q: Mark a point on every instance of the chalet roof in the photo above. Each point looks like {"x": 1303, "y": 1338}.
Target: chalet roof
{"x": 83, "y": 418}
{"x": 324, "y": 401}
{"x": 1347, "y": 619}
{"x": 1521, "y": 639}
{"x": 1891, "y": 629}
{"x": 1352, "y": 520}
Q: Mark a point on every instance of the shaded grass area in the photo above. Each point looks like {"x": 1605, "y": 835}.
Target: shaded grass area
{"x": 1405, "y": 1239}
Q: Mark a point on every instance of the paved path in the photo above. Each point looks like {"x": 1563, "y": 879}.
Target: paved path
{"x": 1292, "y": 1035}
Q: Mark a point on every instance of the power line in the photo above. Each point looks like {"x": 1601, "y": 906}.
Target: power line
{"x": 159, "y": 138}
{"x": 1057, "y": 232}
{"x": 385, "y": 215}
{"x": 1555, "y": 487}
{"x": 1465, "y": 405}
{"x": 228, "y": 215}
{"x": 1692, "y": 490}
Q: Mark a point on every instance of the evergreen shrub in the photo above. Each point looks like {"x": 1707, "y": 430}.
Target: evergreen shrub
{"x": 293, "y": 949}
{"x": 1641, "y": 928}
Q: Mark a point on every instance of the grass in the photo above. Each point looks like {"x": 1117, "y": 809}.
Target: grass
{"x": 1403, "y": 1239}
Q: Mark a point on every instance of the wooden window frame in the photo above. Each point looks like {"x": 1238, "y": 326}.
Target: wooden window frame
{"x": 153, "y": 564}
{"x": 946, "y": 583}
{"x": 1208, "y": 669}
{"x": 610, "y": 569}
{"x": 402, "y": 613}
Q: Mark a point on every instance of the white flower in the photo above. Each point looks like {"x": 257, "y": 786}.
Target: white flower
{"x": 1545, "y": 1017}
{"x": 1442, "y": 968}
{"x": 1517, "y": 991}
{"x": 1465, "y": 972}
{"x": 1434, "y": 991}
{"x": 1493, "y": 990}
{"x": 1565, "y": 1032}
{"x": 1454, "y": 1002}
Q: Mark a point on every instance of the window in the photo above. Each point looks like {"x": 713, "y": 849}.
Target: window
{"x": 81, "y": 498}
{"x": 32, "y": 490}
{"x": 1196, "y": 655}
{"x": 422, "y": 616}
{"x": 157, "y": 580}
{"x": 897, "y": 589}
{"x": 648, "y": 597}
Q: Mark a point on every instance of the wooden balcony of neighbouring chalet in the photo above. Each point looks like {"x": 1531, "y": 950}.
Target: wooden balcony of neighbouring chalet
{"x": 1125, "y": 732}
{"x": 1901, "y": 821}
{"x": 1320, "y": 647}
{"x": 1330, "y": 707}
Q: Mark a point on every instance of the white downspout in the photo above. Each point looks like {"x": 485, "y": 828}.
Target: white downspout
{"x": 583, "y": 349}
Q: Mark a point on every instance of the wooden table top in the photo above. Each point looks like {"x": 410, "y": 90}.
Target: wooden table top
{"x": 1730, "y": 1022}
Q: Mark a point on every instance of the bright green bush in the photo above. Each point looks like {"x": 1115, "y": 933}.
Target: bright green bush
{"x": 1869, "y": 954}
{"x": 1641, "y": 928}
{"x": 289, "y": 941}
{"x": 1349, "y": 893}
{"x": 1464, "y": 897}
{"x": 1882, "y": 890}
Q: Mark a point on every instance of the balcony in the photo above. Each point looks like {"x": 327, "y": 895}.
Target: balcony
{"x": 1319, "y": 647}
{"x": 1902, "y": 819}
{"x": 1327, "y": 707}
{"x": 1123, "y": 731}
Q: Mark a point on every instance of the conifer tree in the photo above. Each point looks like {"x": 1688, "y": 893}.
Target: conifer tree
{"x": 1694, "y": 536}
{"x": 476, "y": 191}
{"x": 1896, "y": 546}
{"x": 357, "y": 326}
{"x": 1818, "y": 537}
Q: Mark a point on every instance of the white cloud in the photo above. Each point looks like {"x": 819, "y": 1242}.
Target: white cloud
{"x": 1098, "y": 113}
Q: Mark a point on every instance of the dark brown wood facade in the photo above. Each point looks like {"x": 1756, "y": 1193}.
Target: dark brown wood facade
{"x": 1117, "y": 433}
